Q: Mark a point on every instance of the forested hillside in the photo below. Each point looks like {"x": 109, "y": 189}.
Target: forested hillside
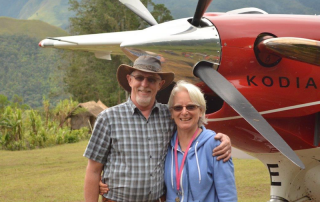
{"x": 30, "y": 72}
{"x": 27, "y": 71}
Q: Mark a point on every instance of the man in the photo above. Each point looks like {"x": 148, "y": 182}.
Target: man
{"x": 129, "y": 141}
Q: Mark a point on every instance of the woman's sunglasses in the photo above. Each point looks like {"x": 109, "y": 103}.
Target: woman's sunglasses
{"x": 179, "y": 108}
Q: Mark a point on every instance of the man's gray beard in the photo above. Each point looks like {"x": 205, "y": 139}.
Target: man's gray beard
{"x": 143, "y": 101}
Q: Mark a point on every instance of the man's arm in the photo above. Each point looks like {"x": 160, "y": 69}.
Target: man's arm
{"x": 91, "y": 182}
{"x": 223, "y": 151}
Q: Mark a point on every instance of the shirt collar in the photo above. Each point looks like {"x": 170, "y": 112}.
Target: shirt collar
{"x": 134, "y": 108}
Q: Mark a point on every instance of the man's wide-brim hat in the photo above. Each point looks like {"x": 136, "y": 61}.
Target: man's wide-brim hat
{"x": 145, "y": 63}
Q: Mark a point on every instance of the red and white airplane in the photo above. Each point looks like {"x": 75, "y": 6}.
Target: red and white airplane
{"x": 260, "y": 73}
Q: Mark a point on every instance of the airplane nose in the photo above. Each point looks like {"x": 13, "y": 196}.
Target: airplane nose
{"x": 224, "y": 89}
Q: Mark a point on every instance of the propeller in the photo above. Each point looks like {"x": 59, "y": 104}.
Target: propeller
{"x": 303, "y": 50}
{"x": 138, "y": 8}
{"x": 201, "y": 8}
{"x": 223, "y": 88}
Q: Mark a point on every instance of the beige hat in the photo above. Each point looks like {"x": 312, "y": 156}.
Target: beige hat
{"x": 145, "y": 63}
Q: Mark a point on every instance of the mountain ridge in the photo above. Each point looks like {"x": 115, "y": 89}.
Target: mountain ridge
{"x": 54, "y": 12}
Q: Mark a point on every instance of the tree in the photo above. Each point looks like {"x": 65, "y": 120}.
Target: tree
{"x": 161, "y": 13}
{"x": 26, "y": 71}
{"x": 88, "y": 78}
{"x": 3, "y": 102}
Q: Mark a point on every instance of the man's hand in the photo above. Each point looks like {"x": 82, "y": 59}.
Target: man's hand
{"x": 103, "y": 188}
{"x": 223, "y": 151}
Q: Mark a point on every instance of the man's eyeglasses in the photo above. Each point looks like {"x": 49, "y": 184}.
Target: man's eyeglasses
{"x": 150, "y": 79}
{"x": 179, "y": 108}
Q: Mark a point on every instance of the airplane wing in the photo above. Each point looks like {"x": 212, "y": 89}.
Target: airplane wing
{"x": 102, "y": 45}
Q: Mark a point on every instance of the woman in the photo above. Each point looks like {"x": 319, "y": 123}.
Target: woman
{"x": 191, "y": 172}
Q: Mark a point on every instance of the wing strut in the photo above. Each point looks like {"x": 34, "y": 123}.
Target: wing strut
{"x": 223, "y": 88}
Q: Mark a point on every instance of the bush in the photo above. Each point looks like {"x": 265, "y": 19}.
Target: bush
{"x": 59, "y": 139}
{"x": 17, "y": 145}
{"x": 72, "y": 137}
{"x": 29, "y": 129}
{"x": 11, "y": 127}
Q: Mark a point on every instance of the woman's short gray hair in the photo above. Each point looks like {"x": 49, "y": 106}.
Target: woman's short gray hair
{"x": 195, "y": 94}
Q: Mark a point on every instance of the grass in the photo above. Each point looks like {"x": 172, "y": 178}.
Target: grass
{"x": 252, "y": 180}
{"x": 57, "y": 174}
{"x": 50, "y": 174}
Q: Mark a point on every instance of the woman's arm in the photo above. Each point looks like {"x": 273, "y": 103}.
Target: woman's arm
{"x": 224, "y": 179}
{"x": 91, "y": 183}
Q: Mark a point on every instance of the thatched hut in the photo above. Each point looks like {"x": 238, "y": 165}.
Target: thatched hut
{"x": 85, "y": 114}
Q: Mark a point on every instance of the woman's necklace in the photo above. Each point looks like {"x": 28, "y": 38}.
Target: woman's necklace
{"x": 179, "y": 171}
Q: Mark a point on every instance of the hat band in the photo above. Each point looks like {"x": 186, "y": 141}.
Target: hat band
{"x": 146, "y": 67}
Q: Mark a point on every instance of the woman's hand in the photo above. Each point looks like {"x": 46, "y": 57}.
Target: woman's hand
{"x": 103, "y": 188}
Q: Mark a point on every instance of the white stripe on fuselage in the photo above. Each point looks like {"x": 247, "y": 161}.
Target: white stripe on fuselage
{"x": 269, "y": 111}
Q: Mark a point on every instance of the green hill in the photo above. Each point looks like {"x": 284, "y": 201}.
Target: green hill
{"x": 32, "y": 28}
{"x": 26, "y": 70}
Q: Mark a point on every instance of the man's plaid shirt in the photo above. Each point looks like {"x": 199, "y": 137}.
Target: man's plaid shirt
{"x": 132, "y": 149}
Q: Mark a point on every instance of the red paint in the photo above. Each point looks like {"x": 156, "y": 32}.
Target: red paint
{"x": 287, "y": 84}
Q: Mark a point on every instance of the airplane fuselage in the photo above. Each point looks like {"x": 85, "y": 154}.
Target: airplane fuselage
{"x": 287, "y": 94}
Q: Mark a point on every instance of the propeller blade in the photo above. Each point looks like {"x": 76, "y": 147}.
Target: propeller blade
{"x": 201, "y": 8}
{"x": 222, "y": 87}
{"x": 303, "y": 50}
{"x": 138, "y": 8}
